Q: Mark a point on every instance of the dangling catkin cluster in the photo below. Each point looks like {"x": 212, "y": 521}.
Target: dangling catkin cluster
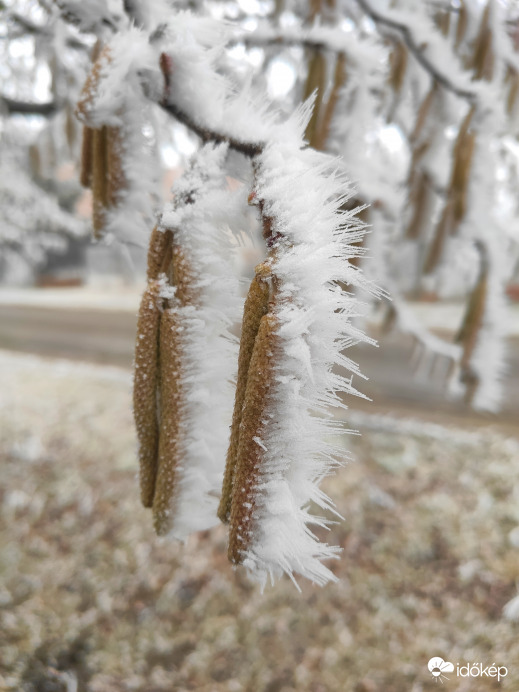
{"x": 185, "y": 354}
{"x": 117, "y": 162}
{"x": 255, "y": 309}
{"x": 102, "y": 152}
{"x": 296, "y": 323}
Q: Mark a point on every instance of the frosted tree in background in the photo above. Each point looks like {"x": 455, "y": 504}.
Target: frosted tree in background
{"x": 43, "y": 65}
{"x": 393, "y": 117}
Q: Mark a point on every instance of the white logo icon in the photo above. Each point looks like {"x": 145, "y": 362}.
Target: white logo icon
{"x": 438, "y": 667}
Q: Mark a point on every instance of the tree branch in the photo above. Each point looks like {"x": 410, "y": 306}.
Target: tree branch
{"x": 205, "y": 133}
{"x": 24, "y": 108}
{"x": 416, "y": 50}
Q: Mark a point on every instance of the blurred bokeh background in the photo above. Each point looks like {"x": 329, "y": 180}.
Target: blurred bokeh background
{"x": 90, "y": 599}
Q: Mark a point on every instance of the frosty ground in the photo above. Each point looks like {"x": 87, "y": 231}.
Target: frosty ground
{"x": 91, "y": 600}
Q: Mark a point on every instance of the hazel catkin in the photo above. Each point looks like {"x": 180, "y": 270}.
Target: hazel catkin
{"x": 251, "y": 450}
{"x": 146, "y": 380}
{"x": 256, "y": 306}
{"x": 170, "y": 421}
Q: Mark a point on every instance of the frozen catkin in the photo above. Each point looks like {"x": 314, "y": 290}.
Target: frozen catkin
{"x": 256, "y": 307}
{"x": 191, "y": 257}
{"x": 145, "y": 388}
{"x": 287, "y": 431}
{"x": 119, "y": 162}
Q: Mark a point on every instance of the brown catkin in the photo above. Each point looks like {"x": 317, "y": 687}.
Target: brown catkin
{"x": 461, "y": 25}
{"x": 181, "y": 277}
{"x": 398, "y": 66}
{"x": 158, "y": 259}
{"x": 145, "y": 383}
{"x": 316, "y": 81}
{"x": 456, "y": 204}
{"x": 250, "y": 454}
{"x": 323, "y": 131}
{"x": 88, "y": 92}
{"x": 440, "y": 234}
{"x": 473, "y": 318}
{"x": 116, "y": 180}
{"x": 463, "y": 154}
{"x": 512, "y": 79}
{"x": 171, "y": 421}
{"x": 421, "y": 201}
{"x": 483, "y": 60}
{"x": 99, "y": 180}
{"x": 256, "y": 307}
{"x": 85, "y": 175}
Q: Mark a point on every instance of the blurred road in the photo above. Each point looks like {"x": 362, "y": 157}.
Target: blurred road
{"x": 107, "y": 337}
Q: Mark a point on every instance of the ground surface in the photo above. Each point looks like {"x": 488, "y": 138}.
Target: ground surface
{"x": 91, "y": 600}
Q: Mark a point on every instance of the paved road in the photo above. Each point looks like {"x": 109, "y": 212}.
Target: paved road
{"x": 108, "y": 337}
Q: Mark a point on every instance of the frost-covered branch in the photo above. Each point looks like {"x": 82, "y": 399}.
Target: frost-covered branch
{"x": 366, "y": 52}
{"x": 418, "y": 49}
{"x": 208, "y": 134}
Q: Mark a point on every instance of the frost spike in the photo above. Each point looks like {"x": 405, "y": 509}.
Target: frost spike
{"x": 256, "y": 306}
{"x": 145, "y": 389}
{"x": 250, "y": 451}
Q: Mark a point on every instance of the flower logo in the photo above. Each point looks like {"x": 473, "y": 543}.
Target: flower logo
{"x": 438, "y": 667}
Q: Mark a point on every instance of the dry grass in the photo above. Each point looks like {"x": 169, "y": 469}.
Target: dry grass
{"x": 91, "y": 600}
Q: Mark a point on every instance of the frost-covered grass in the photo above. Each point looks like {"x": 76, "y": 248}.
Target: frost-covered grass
{"x": 91, "y": 600}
